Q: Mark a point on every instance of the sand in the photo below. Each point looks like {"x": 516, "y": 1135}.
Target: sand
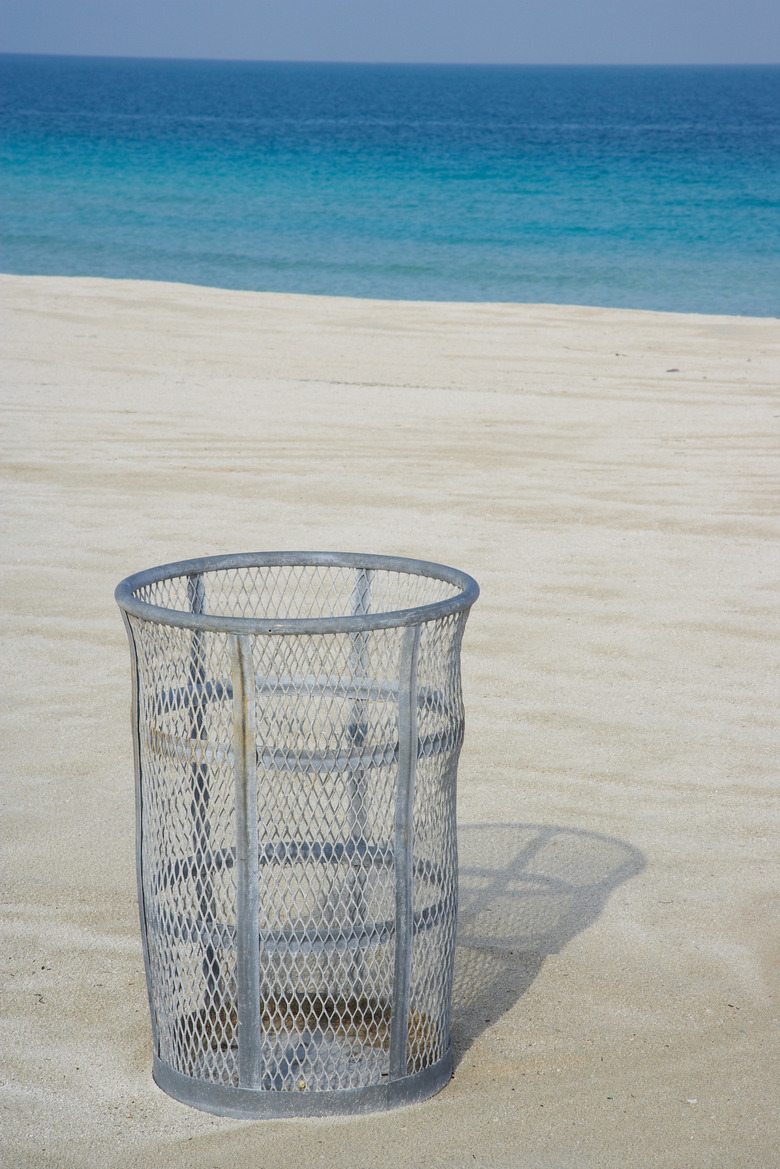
{"x": 611, "y": 480}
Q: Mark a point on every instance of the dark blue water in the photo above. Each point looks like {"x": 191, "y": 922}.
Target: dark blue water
{"x": 641, "y": 187}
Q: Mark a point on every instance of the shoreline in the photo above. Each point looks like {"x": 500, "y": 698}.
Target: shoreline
{"x": 171, "y": 284}
{"x": 608, "y": 476}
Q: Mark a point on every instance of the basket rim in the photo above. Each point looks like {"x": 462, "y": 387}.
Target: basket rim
{"x": 207, "y": 622}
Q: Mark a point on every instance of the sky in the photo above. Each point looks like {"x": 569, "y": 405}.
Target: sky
{"x": 566, "y": 32}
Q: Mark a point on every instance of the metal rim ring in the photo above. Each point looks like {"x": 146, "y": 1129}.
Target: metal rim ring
{"x": 136, "y": 607}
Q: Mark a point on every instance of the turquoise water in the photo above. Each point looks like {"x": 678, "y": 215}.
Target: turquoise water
{"x": 638, "y": 187}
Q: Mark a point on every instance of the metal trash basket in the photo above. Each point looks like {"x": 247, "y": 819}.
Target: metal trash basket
{"x": 297, "y": 721}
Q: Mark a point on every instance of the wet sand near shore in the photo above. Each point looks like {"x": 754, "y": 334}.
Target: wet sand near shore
{"x": 611, "y": 480}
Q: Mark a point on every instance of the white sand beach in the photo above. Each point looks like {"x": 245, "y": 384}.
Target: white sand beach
{"x": 611, "y": 479}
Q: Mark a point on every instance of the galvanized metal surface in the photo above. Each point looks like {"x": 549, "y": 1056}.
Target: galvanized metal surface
{"x": 297, "y": 724}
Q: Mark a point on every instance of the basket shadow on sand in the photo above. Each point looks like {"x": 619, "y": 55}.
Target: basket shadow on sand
{"x": 525, "y": 890}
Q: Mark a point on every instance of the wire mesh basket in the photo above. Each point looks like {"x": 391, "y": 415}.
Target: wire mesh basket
{"x": 297, "y": 722}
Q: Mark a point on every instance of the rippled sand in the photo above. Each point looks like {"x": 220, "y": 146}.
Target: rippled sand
{"x": 611, "y": 480}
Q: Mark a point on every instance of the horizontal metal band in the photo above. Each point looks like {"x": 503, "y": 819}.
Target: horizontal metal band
{"x": 287, "y": 685}
{"x": 357, "y": 852}
{"x": 259, "y": 1104}
{"x": 312, "y": 941}
{"x": 170, "y": 746}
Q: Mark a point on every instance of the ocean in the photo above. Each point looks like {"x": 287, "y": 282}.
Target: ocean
{"x": 638, "y": 187}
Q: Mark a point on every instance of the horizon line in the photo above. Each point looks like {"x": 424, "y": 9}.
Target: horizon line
{"x": 405, "y": 64}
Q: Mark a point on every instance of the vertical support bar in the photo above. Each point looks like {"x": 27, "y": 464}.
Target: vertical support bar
{"x": 359, "y": 663}
{"x": 404, "y": 851}
{"x": 196, "y": 706}
{"x": 356, "y": 731}
{"x": 139, "y": 822}
{"x": 247, "y": 881}
{"x": 201, "y": 795}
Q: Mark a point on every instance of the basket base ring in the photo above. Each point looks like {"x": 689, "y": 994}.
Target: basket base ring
{"x": 254, "y": 1104}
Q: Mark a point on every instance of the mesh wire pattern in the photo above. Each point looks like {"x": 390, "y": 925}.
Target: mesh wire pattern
{"x": 297, "y": 720}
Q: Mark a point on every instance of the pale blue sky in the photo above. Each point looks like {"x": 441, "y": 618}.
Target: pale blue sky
{"x": 479, "y": 31}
